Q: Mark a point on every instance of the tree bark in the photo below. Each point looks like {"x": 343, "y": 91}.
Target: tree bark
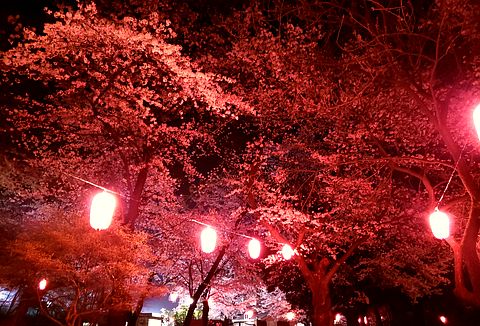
{"x": 198, "y": 293}
{"x": 322, "y": 304}
{"x": 205, "y": 311}
{"x": 135, "y": 197}
{"x": 27, "y": 299}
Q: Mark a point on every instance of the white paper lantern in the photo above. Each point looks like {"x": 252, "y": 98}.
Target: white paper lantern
{"x": 476, "y": 119}
{"x": 42, "y": 284}
{"x": 287, "y": 252}
{"x": 290, "y": 315}
{"x": 254, "y": 248}
{"x": 208, "y": 240}
{"x": 101, "y": 211}
{"x": 440, "y": 224}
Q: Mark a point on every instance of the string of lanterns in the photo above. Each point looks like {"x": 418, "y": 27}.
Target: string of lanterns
{"x": 103, "y": 207}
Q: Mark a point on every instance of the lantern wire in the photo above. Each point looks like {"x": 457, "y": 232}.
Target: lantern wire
{"x": 232, "y": 232}
{"x": 121, "y": 195}
{"x": 98, "y": 186}
{"x": 451, "y": 176}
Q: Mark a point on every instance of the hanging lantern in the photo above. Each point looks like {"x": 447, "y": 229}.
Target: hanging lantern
{"x": 440, "y": 224}
{"x": 254, "y": 248}
{"x": 287, "y": 252}
{"x": 42, "y": 284}
{"x": 476, "y": 119}
{"x": 101, "y": 211}
{"x": 290, "y": 315}
{"x": 208, "y": 239}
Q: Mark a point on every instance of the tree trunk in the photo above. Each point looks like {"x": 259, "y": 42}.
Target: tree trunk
{"x": 28, "y": 299}
{"x": 198, "y": 293}
{"x": 133, "y": 317}
{"x": 205, "y": 311}
{"x": 322, "y": 305}
{"x": 135, "y": 197}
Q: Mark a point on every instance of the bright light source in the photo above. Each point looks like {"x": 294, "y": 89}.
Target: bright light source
{"x": 254, "y": 248}
{"x": 154, "y": 322}
{"x": 188, "y": 300}
{"x": 173, "y": 296}
{"x": 287, "y": 252}
{"x": 290, "y": 315}
{"x": 443, "y": 319}
{"x": 365, "y": 320}
{"x": 440, "y": 224}
{"x": 42, "y": 284}
{"x": 208, "y": 240}
{"x": 338, "y": 318}
{"x": 101, "y": 211}
{"x": 476, "y": 119}
{"x": 249, "y": 314}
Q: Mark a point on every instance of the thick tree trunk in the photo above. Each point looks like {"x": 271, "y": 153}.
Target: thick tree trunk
{"x": 135, "y": 197}
{"x": 467, "y": 263}
{"x": 198, "y": 293}
{"x": 205, "y": 311}
{"x": 322, "y": 305}
{"x": 133, "y": 317}
{"x": 28, "y": 299}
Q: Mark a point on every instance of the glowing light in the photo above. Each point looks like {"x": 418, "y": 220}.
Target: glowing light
{"x": 440, "y": 224}
{"x": 42, "y": 284}
{"x": 338, "y": 317}
{"x": 208, "y": 239}
{"x": 365, "y": 320}
{"x": 359, "y": 320}
{"x": 172, "y": 297}
{"x": 188, "y": 300}
{"x": 154, "y": 322}
{"x": 290, "y": 315}
{"x": 101, "y": 211}
{"x": 287, "y": 252}
{"x": 476, "y": 119}
{"x": 249, "y": 314}
{"x": 443, "y": 319}
{"x": 254, "y": 248}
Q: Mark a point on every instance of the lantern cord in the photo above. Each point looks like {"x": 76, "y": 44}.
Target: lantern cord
{"x": 232, "y": 232}
{"x": 451, "y": 176}
{"x": 95, "y": 185}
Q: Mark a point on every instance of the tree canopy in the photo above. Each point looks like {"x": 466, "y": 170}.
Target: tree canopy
{"x": 333, "y": 127}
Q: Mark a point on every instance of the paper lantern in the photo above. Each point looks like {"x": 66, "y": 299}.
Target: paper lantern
{"x": 290, "y": 315}
{"x": 101, "y": 211}
{"x": 440, "y": 224}
{"x": 208, "y": 239}
{"x": 42, "y": 284}
{"x": 338, "y": 318}
{"x": 476, "y": 119}
{"x": 287, "y": 252}
{"x": 443, "y": 319}
{"x": 254, "y": 248}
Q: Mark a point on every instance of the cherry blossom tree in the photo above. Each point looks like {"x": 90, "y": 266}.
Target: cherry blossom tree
{"x": 87, "y": 272}
{"x": 336, "y": 170}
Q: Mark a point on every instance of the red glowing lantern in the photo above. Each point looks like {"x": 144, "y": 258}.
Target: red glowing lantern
{"x": 208, "y": 239}
{"x": 287, "y": 252}
{"x": 254, "y": 248}
{"x": 42, "y": 285}
{"x": 440, "y": 224}
{"x": 101, "y": 211}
